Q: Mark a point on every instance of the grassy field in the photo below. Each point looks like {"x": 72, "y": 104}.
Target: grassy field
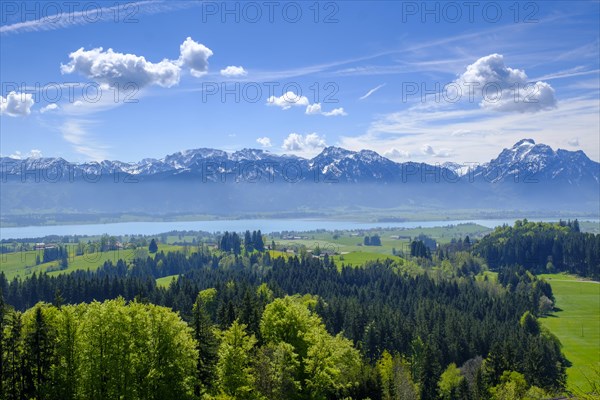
{"x": 22, "y": 264}
{"x": 166, "y": 281}
{"x": 358, "y": 258}
{"x": 577, "y": 325}
{"x": 347, "y": 241}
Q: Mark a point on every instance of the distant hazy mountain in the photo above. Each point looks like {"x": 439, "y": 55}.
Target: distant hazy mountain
{"x": 526, "y": 176}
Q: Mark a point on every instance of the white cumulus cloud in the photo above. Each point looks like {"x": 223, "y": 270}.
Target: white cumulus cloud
{"x": 232, "y": 71}
{"x": 264, "y": 141}
{"x": 574, "y": 142}
{"x": 195, "y": 56}
{"x": 315, "y": 109}
{"x": 307, "y": 144}
{"x": 107, "y": 67}
{"x": 288, "y": 100}
{"x": 49, "y": 107}
{"x": 16, "y": 104}
{"x": 395, "y": 154}
{"x": 429, "y": 151}
{"x": 335, "y": 112}
{"x": 501, "y": 88}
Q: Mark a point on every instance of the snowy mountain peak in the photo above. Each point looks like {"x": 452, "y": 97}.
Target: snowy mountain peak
{"x": 335, "y": 152}
{"x": 249, "y": 155}
{"x": 524, "y": 142}
{"x": 524, "y": 160}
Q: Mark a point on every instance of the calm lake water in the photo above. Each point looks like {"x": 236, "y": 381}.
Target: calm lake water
{"x": 265, "y": 225}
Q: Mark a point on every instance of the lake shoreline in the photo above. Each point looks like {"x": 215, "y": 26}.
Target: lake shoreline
{"x": 269, "y": 225}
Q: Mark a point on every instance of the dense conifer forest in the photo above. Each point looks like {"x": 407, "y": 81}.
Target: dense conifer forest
{"x": 238, "y": 323}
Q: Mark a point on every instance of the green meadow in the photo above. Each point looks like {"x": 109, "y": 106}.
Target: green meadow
{"x": 358, "y": 258}
{"x": 22, "y": 264}
{"x": 576, "y": 322}
{"x": 352, "y": 241}
{"x": 165, "y": 281}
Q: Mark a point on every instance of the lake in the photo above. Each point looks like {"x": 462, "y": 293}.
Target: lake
{"x": 265, "y": 225}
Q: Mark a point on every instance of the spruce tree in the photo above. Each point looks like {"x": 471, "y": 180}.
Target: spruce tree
{"x": 153, "y": 247}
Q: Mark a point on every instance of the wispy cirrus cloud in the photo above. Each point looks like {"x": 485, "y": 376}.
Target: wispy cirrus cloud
{"x": 569, "y": 73}
{"x": 76, "y": 133}
{"x": 370, "y": 92}
{"x": 121, "y": 13}
{"x": 450, "y": 132}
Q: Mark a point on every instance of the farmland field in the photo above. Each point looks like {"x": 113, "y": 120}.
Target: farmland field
{"x": 22, "y": 263}
{"x": 576, "y": 324}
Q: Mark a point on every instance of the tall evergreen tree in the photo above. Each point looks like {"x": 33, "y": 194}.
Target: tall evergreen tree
{"x": 39, "y": 350}
{"x": 207, "y": 345}
{"x": 153, "y": 247}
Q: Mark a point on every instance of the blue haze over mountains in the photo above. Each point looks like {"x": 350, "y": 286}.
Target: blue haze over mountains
{"x": 527, "y": 176}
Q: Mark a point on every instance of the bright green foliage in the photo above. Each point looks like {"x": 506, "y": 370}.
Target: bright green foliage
{"x": 535, "y": 393}
{"x": 384, "y": 367}
{"x": 512, "y": 387}
{"x": 67, "y": 356}
{"x": 450, "y": 382}
{"x": 289, "y": 320}
{"x": 332, "y": 364}
{"x": 2, "y": 325}
{"x": 234, "y": 369}
{"x": 99, "y": 351}
{"x": 277, "y": 367}
{"x": 530, "y": 323}
{"x": 577, "y": 327}
{"x": 328, "y": 365}
{"x": 396, "y": 382}
{"x": 137, "y": 351}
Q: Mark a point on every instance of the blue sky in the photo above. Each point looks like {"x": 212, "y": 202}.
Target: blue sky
{"x": 436, "y": 82}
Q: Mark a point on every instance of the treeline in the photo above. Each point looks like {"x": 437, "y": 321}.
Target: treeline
{"x": 543, "y": 248}
{"x": 232, "y": 242}
{"x": 374, "y": 240}
{"x": 416, "y": 330}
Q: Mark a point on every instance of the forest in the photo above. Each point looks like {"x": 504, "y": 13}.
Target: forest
{"x": 239, "y": 323}
{"x": 543, "y": 247}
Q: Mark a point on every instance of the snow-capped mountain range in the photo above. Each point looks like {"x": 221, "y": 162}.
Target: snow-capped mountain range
{"x": 527, "y": 176}
{"x": 525, "y": 161}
